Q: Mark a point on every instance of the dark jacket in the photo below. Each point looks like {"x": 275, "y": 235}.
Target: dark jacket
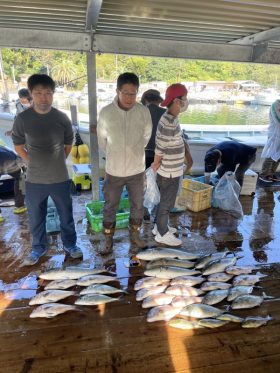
{"x": 156, "y": 114}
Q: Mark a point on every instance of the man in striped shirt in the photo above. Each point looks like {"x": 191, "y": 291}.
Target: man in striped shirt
{"x": 169, "y": 160}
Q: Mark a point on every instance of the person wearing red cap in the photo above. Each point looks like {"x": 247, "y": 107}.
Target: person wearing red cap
{"x": 169, "y": 160}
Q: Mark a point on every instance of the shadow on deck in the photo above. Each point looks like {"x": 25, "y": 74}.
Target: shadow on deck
{"x": 116, "y": 337}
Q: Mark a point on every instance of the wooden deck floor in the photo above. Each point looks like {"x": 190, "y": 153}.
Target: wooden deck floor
{"x": 117, "y": 338}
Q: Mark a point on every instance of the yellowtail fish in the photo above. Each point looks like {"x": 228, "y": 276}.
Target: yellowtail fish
{"x": 50, "y": 296}
{"x": 187, "y": 280}
{"x": 60, "y": 284}
{"x": 101, "y": 289}
{"x": 146, "y": 282}
{"x": 170, "y": 262}
{"x": 212, "y": 323}
{"x": 157, "y": 253}
{"x": 70, "y": 273}
{"x": 255, "y": 321}
{"x": 184, "y": 324}
{"x": 170, "y": 272}
{"x": 49, "y": 310}
{"x": 162, "y": 313}
{"x": 200, "y": 311}
{"x": 157, "y": 300}
{"x": 182, "y": 290}
{"x": 215, "y": 296}
{"x": 94, "y": 300}
{"x": 95, "y": 279}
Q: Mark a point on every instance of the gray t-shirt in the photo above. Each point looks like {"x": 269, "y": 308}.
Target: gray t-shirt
{"x": 44, "y": 136}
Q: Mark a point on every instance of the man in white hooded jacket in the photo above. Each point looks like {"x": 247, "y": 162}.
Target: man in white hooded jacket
{"x": 124, "y": 128}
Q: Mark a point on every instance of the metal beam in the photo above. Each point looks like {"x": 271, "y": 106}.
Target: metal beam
{"x": 260, "y": 37}
{"x": 93, "y": 11}
{"x": 181, "y": 49}
{"x": 15, "y": 38}
{"x": 59, "y": 40}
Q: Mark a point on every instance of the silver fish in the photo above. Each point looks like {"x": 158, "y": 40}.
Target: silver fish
{"x": 94, "y": 279}
{"x": 229, "y": 317}
{"x": 187, "y": 280}
{"x": 200, "y": 311}
{"x": 70, "y": 273}
{"x": 146, "y": 282}
{"x": 60, "y": 284}
{"x": 212, "y": 323}
{"x": 182, "y": 290}
{"x": 218, "y": 265}
{"x": 201, "y": 263}
{"x": 236, "y": 291}
{"x": 94, "y": 300}
{"x": 255, "y": 321}
{"x": 219, "y": 277}
{"x": 184, "y": 324}
{"x": 51, "y": 310}
{"x": 179, "y": 301}
{"x": 169, "y": 272}
{"x": 50, "y": 296}
{"x": 162, "y": 313}
{"x": 170, "y": 262}
{"x": 246, "y": 279}
{"x": 146, "y": 292}
{"x": 206, "y": 286}
{"x": 157, "y": 300}
{"x": 157, "y": 253}
{"x": 239, "y": 270}
{"x": 215, "y": 296}
{"x": 101, "y": 289}
{"x": 247, "y": 301}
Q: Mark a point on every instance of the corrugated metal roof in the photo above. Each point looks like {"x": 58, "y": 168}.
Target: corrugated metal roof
{"x": 200, "y": 21}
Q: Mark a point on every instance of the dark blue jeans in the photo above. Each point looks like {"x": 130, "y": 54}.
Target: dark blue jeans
{"x": 37, "y": 200}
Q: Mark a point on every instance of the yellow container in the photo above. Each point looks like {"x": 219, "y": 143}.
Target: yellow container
{"x": 195, "y": 196}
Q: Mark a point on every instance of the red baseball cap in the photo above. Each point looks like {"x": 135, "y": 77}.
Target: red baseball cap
{"x": 172, "y": 92}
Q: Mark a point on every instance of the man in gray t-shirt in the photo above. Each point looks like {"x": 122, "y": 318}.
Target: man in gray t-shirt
{"x": 43, "y": 136}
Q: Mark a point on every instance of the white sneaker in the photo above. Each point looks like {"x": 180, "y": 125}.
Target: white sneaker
{"x": 171, "y": 230}
{"x": 168, "y": 239}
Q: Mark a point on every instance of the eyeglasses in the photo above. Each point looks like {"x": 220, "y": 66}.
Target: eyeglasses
{"x": 128, "y": 94}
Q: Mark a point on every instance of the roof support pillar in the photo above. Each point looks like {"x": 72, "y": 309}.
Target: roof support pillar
{"x": 92, "y": 107}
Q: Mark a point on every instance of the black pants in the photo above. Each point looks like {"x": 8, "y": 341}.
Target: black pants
{"x": 19, "y": 197}
{"x": 241, "y": 169}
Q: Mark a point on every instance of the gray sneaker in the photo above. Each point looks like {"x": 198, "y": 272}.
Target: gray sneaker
{"x": 34, "y": 257}
{"x": 75, "y": 252}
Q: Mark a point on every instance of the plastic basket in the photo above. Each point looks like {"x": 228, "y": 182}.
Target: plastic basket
{"x": 94, "y": 213}
{"x": 195, "y": 196}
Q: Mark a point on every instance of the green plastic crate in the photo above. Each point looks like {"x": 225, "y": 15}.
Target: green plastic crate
{"x": 94, "y": 213}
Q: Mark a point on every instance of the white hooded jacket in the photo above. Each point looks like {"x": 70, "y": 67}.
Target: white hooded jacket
{"x": 272, "y": 146}
{"x": 123, "y": 136}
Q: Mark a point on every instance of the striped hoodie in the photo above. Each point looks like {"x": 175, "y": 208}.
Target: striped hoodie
{"x": 170, "y": 146}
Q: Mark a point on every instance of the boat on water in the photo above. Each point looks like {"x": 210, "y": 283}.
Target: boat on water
{"x": 266, "y": 97}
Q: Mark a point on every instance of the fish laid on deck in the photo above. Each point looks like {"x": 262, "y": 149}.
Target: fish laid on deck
{"x": 170, "y": 272}
{"x": 219, "y": 277}
{"x": 170, "y": 262}
{"x": 212, "y": 323}
{"x": 146, "y": 282}
{"x": 157, "y": 300}
{"x": 201, "y": 263}
{"x": 255, "y": 321}
{"x": 215, "y": 296}
{"x": 236, "y": 291}
{"x": 101, "y": 289}
{"x": 50, "y": 296}
{"x": 94, "y": 300}
{"x": 146, "y": 292}
{"x": 70, "y": 273}
{"x": 187, "y": 280}
{"x": 247, "y": 301}
{"x": 239, "y": 270}
{"x": 212, "y": 285}
{"x": 95, "y": 279}
{"x": 182, "y": 290}
{"x": 180, "y": 301}
{"x": 218, "y": 265}
{"x": 184, "y": 324}
{"x": 51, "y": 310}
{"x": 162, "y": 313}
{"x": 200, "y": 311}
{"x": 158, "y": 253}
{"x": 246, "y": 279}
{"x": 60, "y": 284}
